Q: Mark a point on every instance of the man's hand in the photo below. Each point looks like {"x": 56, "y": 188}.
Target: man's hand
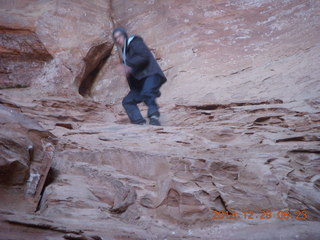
{"x": 124, "y": 69}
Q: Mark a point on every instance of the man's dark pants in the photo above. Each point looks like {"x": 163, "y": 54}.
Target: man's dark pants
{"x": 148, "y": 93}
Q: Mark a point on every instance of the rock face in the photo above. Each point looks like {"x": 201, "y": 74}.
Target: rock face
{"x": 230, "y": 51}
{"x": 25, "y": 158}
{"x": 240, "y": 115}
{"x": 57, "y": 33}
{"x": 21, "y": 52}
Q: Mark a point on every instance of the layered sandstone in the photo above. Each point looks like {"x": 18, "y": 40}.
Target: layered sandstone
{"x": 240, "y": 114}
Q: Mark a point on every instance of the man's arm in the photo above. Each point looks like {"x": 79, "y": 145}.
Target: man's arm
{"x": 141, "y": 55}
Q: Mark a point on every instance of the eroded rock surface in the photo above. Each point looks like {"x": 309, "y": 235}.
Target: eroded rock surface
{"x": 240, "y": 115}
{"x": 23, "y": 56}
{"x": 25, "y": 158}
{"x": 238, "y": 158}
{"x": 58, "y": 33}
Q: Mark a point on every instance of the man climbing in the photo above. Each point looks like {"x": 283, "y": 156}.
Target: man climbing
{"x": 143, "y": 74}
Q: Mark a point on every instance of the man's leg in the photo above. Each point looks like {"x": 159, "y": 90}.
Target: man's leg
{"x": 130, "y": 105}
{"x": 149, "y": 93}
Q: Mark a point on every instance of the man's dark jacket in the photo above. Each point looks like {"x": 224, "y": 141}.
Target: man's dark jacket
{"x": 142, "y": 62}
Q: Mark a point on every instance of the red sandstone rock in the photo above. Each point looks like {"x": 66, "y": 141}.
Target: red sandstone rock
{"x": 22, "y": 57}
{"x": 25, "y": 158}
{"x": 230, "y": 51}
{"x": 240, "y": 112}
{"x": 35, "y": 32}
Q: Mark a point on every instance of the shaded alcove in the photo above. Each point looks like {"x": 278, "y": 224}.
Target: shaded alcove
{"x": 94, "y": 61}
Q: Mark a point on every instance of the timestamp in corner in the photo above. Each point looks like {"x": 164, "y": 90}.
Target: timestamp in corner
{"x": 263, "y": 214}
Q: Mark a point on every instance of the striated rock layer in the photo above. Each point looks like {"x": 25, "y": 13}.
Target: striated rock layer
{"x": 229, "y": 51}
{"x": 25, "y": 158}
{"x": 34, "y": 32}
{"x": 240, "y": 114}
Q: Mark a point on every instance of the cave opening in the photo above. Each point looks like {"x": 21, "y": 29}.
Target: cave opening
{"x": 95, "y": 59}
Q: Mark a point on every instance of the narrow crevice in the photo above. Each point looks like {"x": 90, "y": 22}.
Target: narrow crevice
{"x": 292, "y": 139}
{"x": 44, "y": 226}
{"x": 300, "y": 150}
{"x": 52, "y": 175}
{"x": 95, "y": 59}
{"x": 111, "y": 13}
{"x": 231, "y": 105}
{"x": 306, "y": 138}
{"x": 264, "y": 119}
{"x": 219, "y": 201}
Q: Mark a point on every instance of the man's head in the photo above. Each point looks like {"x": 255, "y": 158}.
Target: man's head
{"x": 119, "y": 36}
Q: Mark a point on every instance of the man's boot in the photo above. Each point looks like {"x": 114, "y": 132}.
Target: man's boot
{"x": 154, "y": 120}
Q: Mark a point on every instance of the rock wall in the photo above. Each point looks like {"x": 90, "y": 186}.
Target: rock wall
{"x": 230, "y": 51}
{"x": 64, "y": 31}
{"x": 21, "y": 52}
{"x": 240, "y": 115}
{"x": 25, "y": 158}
